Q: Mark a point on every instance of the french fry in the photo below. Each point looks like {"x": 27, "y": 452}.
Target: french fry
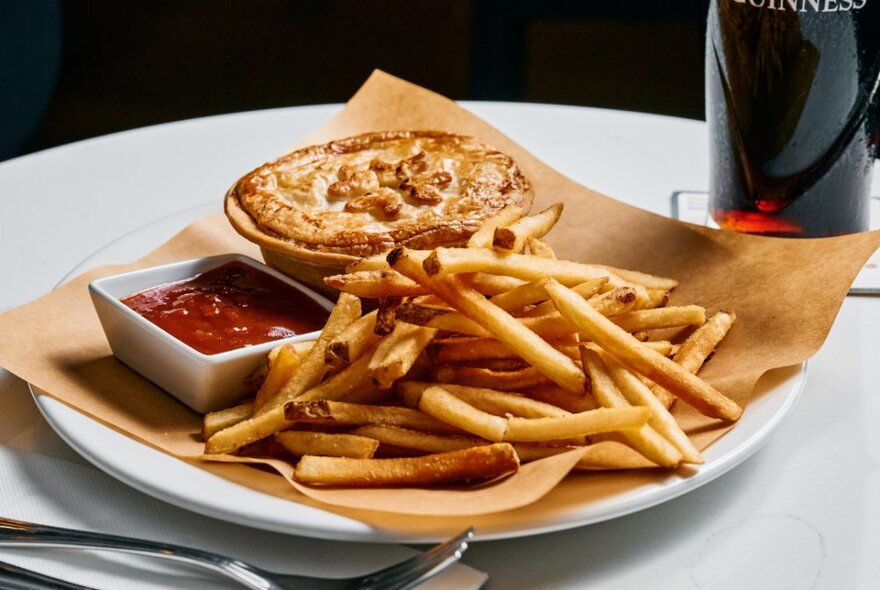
{"x": 476, "y": 463}
{"x": 418, "y": 440}
{"x": 310, "y": 372}
{"x": 483, "y": 377}
{"x": 397, "y": 352}
{"x": 702, "y": 342}
{"x": 334, "y": 413}
{"x": 637, "y": 393}
{"x": 281, "y": 370}
{"x": 379, "y": 261}
{"x": 467, "y": 349}
{"x": 352, "y": 342}
{"x": 246, "y": 432}
{"x": 638, "y": 357}
{"x": 700, "y": 345}
{"x": 534, "y": 292}
{"x": 444, "y": 261}
{"x": 355, "y": 378}
{"x": 540, "y": 248}
{"x": 518, "y": 338}
{"x": 442, "y": 405}
{"x": 513, "y": 237}
{"x": 301, "y": 442}
{"x": 482, "y": 238}
{"x": 562, "y": 398}
{"x": 386, "y": 315}
{"x": 661, "y": 317}
{"x": 646, "y": 440}
{"x": 609, "y": 303}
{"x": 497, "y": 403}
{"x": 375, "y": 284}
{"x": 651, "y": 299}
{"x": 574, "y": 425}
{"x": 489, "y": 284}
{"x": 214, "y": 422}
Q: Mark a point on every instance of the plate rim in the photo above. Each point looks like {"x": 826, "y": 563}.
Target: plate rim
{"x": 345, "y": 528}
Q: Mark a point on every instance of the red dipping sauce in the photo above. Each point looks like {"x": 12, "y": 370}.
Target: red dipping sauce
{"x": 229, "y": 307}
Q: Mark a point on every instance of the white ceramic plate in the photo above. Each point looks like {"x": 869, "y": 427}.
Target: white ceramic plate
{"x": 567, "y": 506}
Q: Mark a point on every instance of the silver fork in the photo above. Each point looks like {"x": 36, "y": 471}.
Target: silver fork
{"x": 406, "y": 574}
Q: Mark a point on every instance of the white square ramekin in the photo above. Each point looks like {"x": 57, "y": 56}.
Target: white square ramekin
{"x": 204, "y": 382}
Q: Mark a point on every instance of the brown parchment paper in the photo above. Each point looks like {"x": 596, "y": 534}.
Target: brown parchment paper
{"x": 786, "y": 294}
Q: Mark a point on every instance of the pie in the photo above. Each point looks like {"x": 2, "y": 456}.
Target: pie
{"x": 328, "y": 205}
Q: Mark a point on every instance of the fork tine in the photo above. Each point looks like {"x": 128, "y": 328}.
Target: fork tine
{"x": 419, "y": 568}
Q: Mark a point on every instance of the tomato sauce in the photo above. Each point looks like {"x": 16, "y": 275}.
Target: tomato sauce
{"x": 229, "y": 307}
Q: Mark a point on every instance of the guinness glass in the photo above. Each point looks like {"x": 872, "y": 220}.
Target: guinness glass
{"x": 791, "y": 90}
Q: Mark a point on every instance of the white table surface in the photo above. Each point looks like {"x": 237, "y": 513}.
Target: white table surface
{"x": 804, "y": 512}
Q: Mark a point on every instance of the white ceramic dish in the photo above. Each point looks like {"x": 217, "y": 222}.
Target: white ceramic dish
{"x": 204, "y": 382}
{"x": 569, "y": 505}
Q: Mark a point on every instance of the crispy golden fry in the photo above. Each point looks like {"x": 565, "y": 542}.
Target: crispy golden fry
{"x": 355, "y": 378}
{"x": 418, "y": 440}
{"x": 513, "y": 237}
{"x": 281, "y": 370}
{"x": 489, "y": 284}
{"x": 483, "y": 377}
{"x": 497, "y": 403}
{"x": 663, "y": 347}
{"x": 386, "y": 315}
{"x": 517, "y": 337}
{"x": 214, "y": 422}
{"x": 312, "y": 369}
{"x": 646, "y": 440}
{"x": 445, "y": 261}
{"x": 638, "y": 357}
{"x": 518, "y": 297}
{"x": 697, "y": 347}
{"x": 662, "y": 317}
{"x": 476, "y": 463}
{"x": 379, "y": 261}
{"x": 609, "y": 303}
{"x": 562, "y": 398}
{"x": 574, "y": 425}
{"x": 534, "y": 292}
{"x": 614, "y": 302}
{"x": 482, "y": 238}
{"x": 651, "y": 298}
{"x": 301, "y": 442}
{"x": 466, "y": 349}
{"x": 348, "y": 414}
{"x": 247, "y": 431}
{"x": 375, "y": 284}
{"x": 700, "y": 345}
{"x": 440, "y": 319}
{"x": 637, "y": 393}
{"x": 442, "y": 405}
{"x": 352, "y": 342}
{"x": 397, "y": 353}
{"x": 540, "y": 248}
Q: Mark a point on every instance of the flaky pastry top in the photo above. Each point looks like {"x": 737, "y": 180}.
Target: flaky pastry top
{"x": 366, "y": 194}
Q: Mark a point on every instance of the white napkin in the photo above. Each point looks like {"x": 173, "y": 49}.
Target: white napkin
{"x": 43, "y": 480}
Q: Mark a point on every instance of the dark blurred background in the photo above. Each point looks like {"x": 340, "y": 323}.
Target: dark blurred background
{"x": 74, "y": 69}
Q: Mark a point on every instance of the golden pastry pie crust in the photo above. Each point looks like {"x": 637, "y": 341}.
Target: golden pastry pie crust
{"x": 330, "y": 204}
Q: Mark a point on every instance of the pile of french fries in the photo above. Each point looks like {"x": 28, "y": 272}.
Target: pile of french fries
{"x": 476, "y": 359}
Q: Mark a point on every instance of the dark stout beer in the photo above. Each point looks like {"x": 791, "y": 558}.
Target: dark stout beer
{"x": 791, "y": 91}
